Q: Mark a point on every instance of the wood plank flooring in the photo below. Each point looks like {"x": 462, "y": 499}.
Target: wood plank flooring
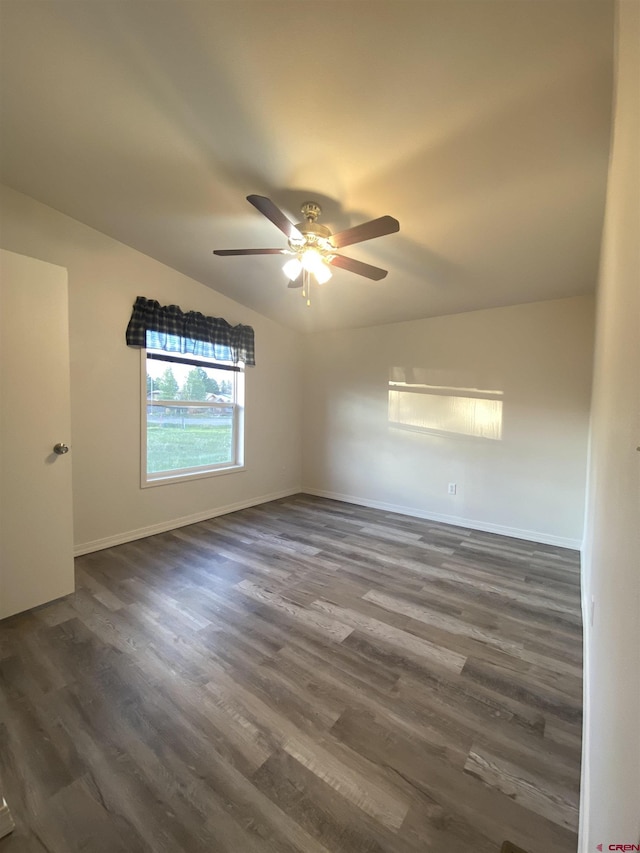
{"x": 305, "y": 676}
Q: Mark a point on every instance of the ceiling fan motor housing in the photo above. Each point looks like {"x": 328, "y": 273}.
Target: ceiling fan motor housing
{"x": 315, "y": 235}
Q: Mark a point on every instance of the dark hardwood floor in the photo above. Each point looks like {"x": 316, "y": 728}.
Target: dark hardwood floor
{"x": 306, "y": 676}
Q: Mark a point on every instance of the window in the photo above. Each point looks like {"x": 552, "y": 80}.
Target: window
{"x": 192, "y": 420}
{"x": 192, "y": 391}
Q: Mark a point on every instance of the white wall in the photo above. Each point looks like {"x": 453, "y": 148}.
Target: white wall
{"x": 610, "y": 811}
{"x": 105, "y": 276}
{"x": 532, "y": 364}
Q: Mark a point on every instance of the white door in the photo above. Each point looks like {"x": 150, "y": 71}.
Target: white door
{"x": 36, "y": 522}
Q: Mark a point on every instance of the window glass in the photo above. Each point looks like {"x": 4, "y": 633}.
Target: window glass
{"x": 192, "y": 424}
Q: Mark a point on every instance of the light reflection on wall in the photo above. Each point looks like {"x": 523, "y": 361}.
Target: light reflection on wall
{"x": 445, "y": 409}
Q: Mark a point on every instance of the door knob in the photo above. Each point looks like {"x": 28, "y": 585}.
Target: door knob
{"x": 60, "y": 448}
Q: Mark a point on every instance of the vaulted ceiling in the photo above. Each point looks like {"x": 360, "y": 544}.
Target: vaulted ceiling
{"x": 482, "y": 126}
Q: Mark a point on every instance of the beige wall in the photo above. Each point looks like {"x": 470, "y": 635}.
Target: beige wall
{"x": 105, "y": 276}
{"x": 515, "y": 447}
{"x": 611, "y": 566}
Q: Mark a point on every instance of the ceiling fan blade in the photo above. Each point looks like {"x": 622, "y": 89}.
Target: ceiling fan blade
{"x": 366, "y": 231}
{"x": 358, "y": 267}
{"x": 267, "y": 208}
{"x": 224, "y": 252}
{"x": 295, "y": 283}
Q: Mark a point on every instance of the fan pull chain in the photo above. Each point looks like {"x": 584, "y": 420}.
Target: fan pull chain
{"x": 306, "y": 286}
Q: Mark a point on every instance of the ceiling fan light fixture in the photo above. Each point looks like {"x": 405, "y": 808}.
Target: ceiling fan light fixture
{"x": 322, "y": 273}
{"x": 292, "y": 268}
{"x": 311, "y": 260}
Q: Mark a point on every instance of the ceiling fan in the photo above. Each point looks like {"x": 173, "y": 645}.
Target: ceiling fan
{"x": 312, "y": 246}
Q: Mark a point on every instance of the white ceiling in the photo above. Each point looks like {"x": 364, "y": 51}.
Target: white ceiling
{"x": 482, "y": 126}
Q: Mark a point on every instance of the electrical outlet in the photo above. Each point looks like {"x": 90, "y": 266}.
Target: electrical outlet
{"x": 452, "y": 488}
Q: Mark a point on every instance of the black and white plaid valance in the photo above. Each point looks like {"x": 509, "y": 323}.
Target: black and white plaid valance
{"x": 168, "y": 328}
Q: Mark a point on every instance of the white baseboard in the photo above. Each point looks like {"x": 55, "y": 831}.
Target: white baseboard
{"x": 457, "y": 521}
{"x": 172, "y": 524}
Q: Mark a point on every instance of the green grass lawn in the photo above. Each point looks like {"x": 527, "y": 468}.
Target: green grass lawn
{"x": 170, "y": 446}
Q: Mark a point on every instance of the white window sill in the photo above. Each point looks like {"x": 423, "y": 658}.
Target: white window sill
{"x": 165, "y": 479}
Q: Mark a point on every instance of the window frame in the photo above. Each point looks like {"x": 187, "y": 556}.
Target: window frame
{"x": 181, "y": 475}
